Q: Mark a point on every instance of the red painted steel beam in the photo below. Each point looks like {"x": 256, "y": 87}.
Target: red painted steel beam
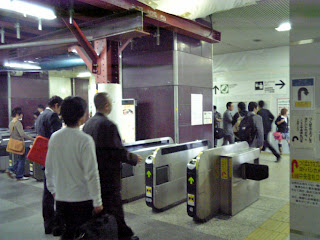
{"x": 85, "y": 44}
{"x": 175, "y": 23}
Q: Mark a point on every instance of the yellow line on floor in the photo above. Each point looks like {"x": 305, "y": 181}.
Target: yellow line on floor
{"x": 276, "y": 228}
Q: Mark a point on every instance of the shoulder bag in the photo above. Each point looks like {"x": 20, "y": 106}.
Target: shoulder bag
{"x": 15, "y": 146}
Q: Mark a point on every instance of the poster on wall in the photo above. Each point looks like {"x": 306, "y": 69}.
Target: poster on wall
{"x": 128, "y": 123}
{"x": 207, "y": 117}
{"x": 283, "y": 103}
{"x": 305, "y": 182}
{"x": 303, "y": 94}
{"x": 302, "y": 132}
{"x": 196, "y": 109}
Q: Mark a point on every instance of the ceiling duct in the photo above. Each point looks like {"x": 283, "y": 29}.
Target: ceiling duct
{"x": 192, "y": 9}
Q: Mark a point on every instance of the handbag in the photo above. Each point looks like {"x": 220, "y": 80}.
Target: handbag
{"x": 38, "y": 151}
{"x": 15, "y": 146}
{"x": 277, "y": 135}
{"x": 100, "y": 227}
{"x": 219, "y": 133}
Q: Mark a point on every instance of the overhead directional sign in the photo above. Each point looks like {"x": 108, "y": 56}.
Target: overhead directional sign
{"x": 281, "y": 84}
{"x": 215, "y": 89}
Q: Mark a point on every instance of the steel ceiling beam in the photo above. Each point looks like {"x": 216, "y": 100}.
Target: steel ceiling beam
{"x": 162, "y": 19}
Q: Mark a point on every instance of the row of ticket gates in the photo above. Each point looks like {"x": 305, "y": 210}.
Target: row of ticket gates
{"x": 212, "y": 181}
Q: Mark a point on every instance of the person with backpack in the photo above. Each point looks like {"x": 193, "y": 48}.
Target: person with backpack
{"x": 251, "y": 127}
{"x": 237, "y": 118}
{"x": 267, "y": 119}
{"x": 227, "y": 125}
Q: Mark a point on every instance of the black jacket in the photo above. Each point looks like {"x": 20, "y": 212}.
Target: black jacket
{"x": 267, "y": 118}
{"x": 110, "y": 152}
{"x": 236, "y": 116}
{"x": 283, "y": 127}
{"x": 47, "y": 123}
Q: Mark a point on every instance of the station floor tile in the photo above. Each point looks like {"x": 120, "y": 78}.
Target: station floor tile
{"x": 20, "y": 213}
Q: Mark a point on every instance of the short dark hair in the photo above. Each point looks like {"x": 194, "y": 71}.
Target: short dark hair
{"x": 72, "y": 110}
{"x": 54, "y": 100}
{"x": 101, "y": 99}
{"x": 36, "y": 113}
{"x": 261, "y": 104}
{"x": 229, "y": 104}
{"x": 16, "y": 111}
{"x": 252, "y": 106}
{"x": 214, "y": 107}
{"x": 284, "y": 111}
{"x": 41, "y": 106}
{"x": 242, "y": 106}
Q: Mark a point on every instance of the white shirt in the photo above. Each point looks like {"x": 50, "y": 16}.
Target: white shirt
{"x": 72, "y": 168}
{"x": 285, "y": 118}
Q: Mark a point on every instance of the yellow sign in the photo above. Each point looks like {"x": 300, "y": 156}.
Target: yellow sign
{"x": 303, "y": 104}
{"x": 307, "y": 170}
{"x": 148, "y": 191}
{"x": 190, "y": 199}
{"x": 224, "y": 168}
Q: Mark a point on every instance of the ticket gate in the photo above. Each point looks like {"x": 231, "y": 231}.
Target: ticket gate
{"x": 4, "y": 155}
{"x": 165, "y": 173}
{"x": 132, "y": 177}
{"x": 223, "y": 180}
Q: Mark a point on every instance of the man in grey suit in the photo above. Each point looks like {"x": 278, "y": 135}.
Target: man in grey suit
{"x": 258, "y": 126}
{"x": 227, "y": 125}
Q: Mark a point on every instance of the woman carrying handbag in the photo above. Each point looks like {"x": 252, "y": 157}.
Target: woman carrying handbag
{"x": 16, "y": 145}
{"x": 282, "y": 133}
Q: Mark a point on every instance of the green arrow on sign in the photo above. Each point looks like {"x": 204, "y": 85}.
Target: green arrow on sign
{"x": 149, "y": 174}
{"x": 191, "y": 180}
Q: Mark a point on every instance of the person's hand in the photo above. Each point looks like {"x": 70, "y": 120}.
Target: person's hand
{"x": 97, "y": 210}
{"x": 139, "y": 159}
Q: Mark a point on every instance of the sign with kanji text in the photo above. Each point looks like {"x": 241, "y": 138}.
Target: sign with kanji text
{"x": 302, "y": 131}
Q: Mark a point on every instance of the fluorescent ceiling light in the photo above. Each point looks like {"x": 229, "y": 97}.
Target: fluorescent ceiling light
{"x": 284, "y": 27}
{"x": 21, "y": 65}
{"x": 84, "y": 74}
{"x": 28, "y": 9}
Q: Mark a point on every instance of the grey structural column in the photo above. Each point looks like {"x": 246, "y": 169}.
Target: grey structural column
{"x": 176, "y": 87}
{"x": 9, "y": 97}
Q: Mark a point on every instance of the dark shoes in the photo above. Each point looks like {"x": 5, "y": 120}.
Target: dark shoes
{"x": 54, "y": 230}
{"x": 278, "y": 159}
{"x": 129, "y": 238}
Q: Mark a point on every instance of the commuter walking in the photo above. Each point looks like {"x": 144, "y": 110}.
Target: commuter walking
{"x": 72, "y": 169}
{"x": 282, "y": 123}
{"x": 267, "y": 119}
{"x": 47, "y": 123}
{"x": 237, "y": 118}
{"x": 258, "y": 139}
{"x": 17, "y": 133}
{"x": 217, "y": 122}
{"x": 227, "y": 125}
{"x": 110, "y": 155}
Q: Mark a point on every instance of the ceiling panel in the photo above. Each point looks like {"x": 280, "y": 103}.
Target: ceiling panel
{"x": 240, "y": 27}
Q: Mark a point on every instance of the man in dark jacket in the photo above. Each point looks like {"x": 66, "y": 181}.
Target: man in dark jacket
{"x": 47, "y": 123}
{"x": 242, "y": 112}
{"x": 110, "y": 155}
{"x": 267, "y": 119}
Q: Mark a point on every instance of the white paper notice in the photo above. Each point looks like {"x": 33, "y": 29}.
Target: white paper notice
{"x": 196, "y": 109}
{"x": 305, "y": 193}
{"x": 207, "y": 117}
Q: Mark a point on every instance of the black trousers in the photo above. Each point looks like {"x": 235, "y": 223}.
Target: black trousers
{"x": 74, "y": 214}
{"x": 47, "y": 206}
{"x": 112, "y": 204}
{"x": 268, "y": 145}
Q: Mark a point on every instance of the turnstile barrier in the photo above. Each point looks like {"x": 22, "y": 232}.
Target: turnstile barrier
{"x": 223, "y": 180}
{"x": 165, "y": 173}
{"x": 132, "y": 177}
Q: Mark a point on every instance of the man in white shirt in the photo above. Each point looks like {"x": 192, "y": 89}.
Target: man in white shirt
{"x": 72, "y": 169}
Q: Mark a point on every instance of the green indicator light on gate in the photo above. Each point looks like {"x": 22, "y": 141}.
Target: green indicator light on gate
{"x": 191, "y": 180}
{"x": 149, "y": 174}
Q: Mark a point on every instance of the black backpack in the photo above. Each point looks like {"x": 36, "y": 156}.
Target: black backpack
{"x": 247, "y": 130}
{"x": 219, "y": 133}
